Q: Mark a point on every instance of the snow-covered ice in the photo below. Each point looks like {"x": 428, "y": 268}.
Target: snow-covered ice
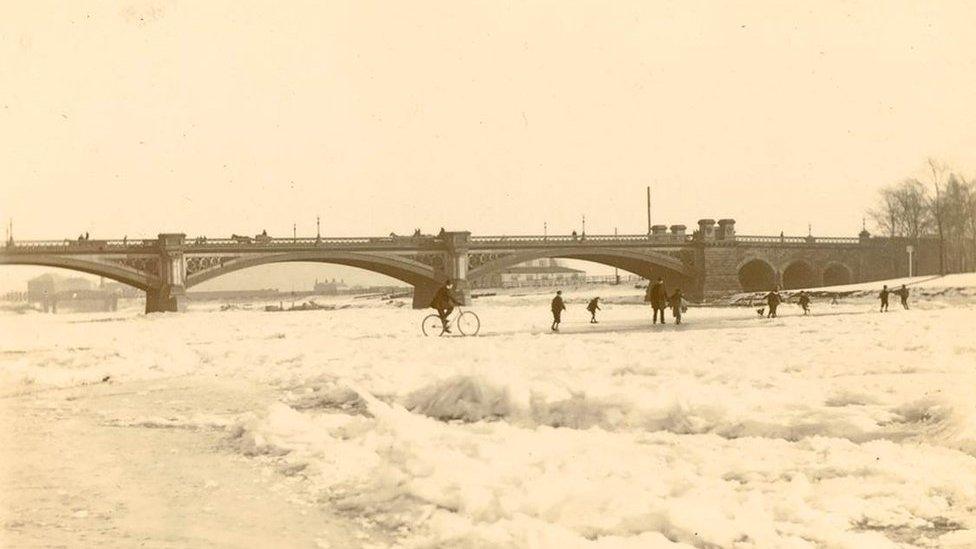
{"x": 846, "y": 428}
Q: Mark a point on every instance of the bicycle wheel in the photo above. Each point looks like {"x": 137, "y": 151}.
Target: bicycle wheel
{"x": 432, "y": 325}
{"x": 468, "y": 323}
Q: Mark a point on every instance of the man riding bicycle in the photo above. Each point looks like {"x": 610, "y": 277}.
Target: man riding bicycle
{"x": 444, "y": 303}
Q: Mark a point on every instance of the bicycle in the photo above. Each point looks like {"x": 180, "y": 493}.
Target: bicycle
{"x": 466, "y": 322}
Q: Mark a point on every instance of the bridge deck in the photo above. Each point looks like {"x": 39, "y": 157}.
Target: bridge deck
{"x": 401, "y": 243}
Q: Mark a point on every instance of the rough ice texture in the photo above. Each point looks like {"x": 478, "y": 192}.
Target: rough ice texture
{"x": 848, "y": 428}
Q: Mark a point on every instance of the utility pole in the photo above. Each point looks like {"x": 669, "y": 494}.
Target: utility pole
{"x": 648, "y": 209}
{"x": 616, "y": 273}
{"x": 318, "y": 232}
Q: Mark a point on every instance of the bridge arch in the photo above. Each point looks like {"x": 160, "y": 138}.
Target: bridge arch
{"x": 404, "y": 269}
{"x": 756, "y": 275}
{"x": 800, "y": 274}
{"x": 646, "y": 264}
{"x": 837, "y": 274}
{"x": 138, "y": 279}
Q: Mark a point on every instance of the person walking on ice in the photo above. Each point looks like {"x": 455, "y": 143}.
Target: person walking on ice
{"x": 677, "y": 306}
{"x": 773, "y": 299}
{"x": 659, "y": 299}
{"x": 903, "y": 294}
{"x": 593, "y": 307}
{"x": 884, "y": 298}
{"x": 557, "y": 310}
{"x": 804, "y": 300}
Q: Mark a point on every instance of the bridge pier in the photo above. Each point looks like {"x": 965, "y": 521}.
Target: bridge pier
{"x": 166, "y": 300}
{"x": 423, "y": 294}
{"x": 171, "y": 295}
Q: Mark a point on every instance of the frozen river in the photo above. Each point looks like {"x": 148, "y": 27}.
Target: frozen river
{"x": 348, "y": 428}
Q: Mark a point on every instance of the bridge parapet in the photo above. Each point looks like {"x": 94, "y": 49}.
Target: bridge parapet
{"x": 583, "y": 240}
{"x": 763, "y": 239}
{"x": 77, "y": 246}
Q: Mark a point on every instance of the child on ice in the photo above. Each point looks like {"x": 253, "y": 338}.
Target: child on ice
{"x": 593, "y": 307}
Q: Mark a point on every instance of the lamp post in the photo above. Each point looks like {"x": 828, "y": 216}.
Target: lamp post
{"x": 911, "y": 250}
{"x": 616, "y": 273}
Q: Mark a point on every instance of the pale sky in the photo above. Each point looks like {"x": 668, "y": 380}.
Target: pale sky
{"x": 206, "y": 117}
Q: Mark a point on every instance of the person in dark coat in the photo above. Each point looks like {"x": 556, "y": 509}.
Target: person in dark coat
{"x": 593, "y": 307}
{"x": 444, "y": 303}
{"x": 659, "y": 299}
{"x": 903, "y": 294}
{"x": 884, "y": 298}
{"x": 804, "y": 300}
{"x": 773, "y": 299}
{"x": 557, "y": 310}
{"x": 677, "y": 303}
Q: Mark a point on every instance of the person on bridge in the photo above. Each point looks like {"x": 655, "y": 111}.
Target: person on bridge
{"x": 444, "y": 303}
{"x": 884, "y": 298}
{"x": 773, "y": 299}
{"x": 659, "y": 299}
{"x": 677, "y": 306}
{"x": 903, "y": 294}
{"x": 593, "y": 307}
{"x": 804, "y": 300}
{"x": 557, "y": 310}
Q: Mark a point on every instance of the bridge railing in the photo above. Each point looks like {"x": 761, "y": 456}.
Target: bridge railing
{"x": 836, "y": 240}
{"x": 285, "y": 242}
{"x": 570, "y": 239}
{"x": 764, "y": 239}
{"x": 68, "y": 245}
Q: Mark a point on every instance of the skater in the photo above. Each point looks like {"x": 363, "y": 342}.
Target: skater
{"x": 804, "y": 300}
{"x": 557, "y": 310}
{"x": 903, "y": 294}
{"x": 884, "y": 298}
{"x": 444, "y": 303}
{"x": 773, "y": 299}
{"x": 659, "y": 299}
{"x": 677, "y": 305}
{"x": 593, "y": 307}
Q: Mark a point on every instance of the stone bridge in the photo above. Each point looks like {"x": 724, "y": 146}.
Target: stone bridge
{"x": 711, "y": 261}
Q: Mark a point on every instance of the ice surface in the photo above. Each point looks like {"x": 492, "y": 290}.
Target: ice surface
{"x": 847, "y": 428}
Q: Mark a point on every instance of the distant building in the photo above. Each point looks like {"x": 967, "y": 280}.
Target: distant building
{"x": 47, "y": 285}
{"x": 540, "y": 272}
{"x": 332, "y": 287}
{"x": 71, "y": 294}
{"x": 119, "y": 289}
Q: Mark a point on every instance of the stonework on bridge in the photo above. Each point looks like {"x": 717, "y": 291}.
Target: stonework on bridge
{"x": 711, "y": 261}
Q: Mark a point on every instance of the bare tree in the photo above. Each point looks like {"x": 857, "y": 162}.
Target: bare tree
{"x": 971, "y": 215}
{"x": 938, "y": 170}
{"x": 885, "y": 216}
{"x": 954, "y": 210}
{"x": 909, "y": 210}
{"x": 913, "y": 209}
